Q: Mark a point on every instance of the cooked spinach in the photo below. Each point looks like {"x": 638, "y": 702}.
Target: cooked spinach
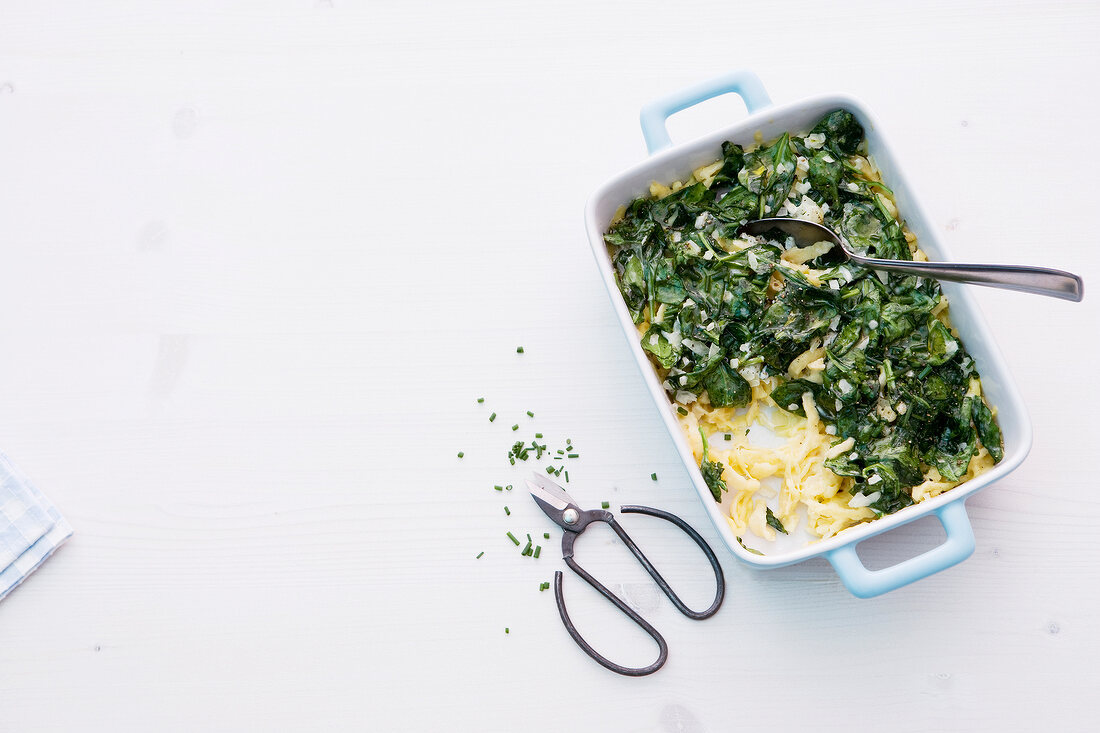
{"x": 773, "y": 521}
{"x": 769, "y": 173}
{"x": 727, "y": 388}
{"x": 988, "y": 430}
{"x": 843, "y": 133}
{"x": 712, "y": 470}
{"x": 896, "y": 379}
{"x": 789, "y": 396}
{"x": 753, "y": 550}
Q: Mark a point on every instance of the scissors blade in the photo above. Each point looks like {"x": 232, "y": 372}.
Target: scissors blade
{"x": 552, "y": 499}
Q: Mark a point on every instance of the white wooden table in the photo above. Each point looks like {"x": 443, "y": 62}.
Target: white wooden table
{"x": 259, "y": 261}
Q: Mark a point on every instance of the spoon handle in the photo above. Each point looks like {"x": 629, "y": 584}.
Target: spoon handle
{"x": 1038, "y": 280}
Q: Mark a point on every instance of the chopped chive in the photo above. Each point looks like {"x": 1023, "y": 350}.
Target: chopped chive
{"x": 574, "y": 455}
{"x": 494, "y": 417}
{"x": 505, "y": 629}
{"x": 605, "y": 504}
{"x": 729, "y": 436}
{"x": 566, "y": 477}
{"x": 519, "y": 349}
{"x": 513, "y": 538}
{"x": 526, "y": 550}
{"x": 507, "y": 511}
{"x": 653, "y": 476}
{"x": 538, "y": 435}
{"x": 530, "y": 414}
{"x": 508, "y": 487}
{"x": 924, "y": 372}
{"x": 480, "y": 400}
{"x": 544, "y": 586}
{"x": 538, "y": 549}
{"x": 681, "y": 410}
{"x": 460, "y": 454}
{"x": 528, "y": 536}
{"x": 515, "y": 427}
{"x": 479, "y": 555}
{"x": 549, "y": 469}
{"x": 546, "y": 535}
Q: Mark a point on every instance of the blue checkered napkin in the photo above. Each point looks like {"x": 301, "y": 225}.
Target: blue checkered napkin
{"x": 31, "y": 528}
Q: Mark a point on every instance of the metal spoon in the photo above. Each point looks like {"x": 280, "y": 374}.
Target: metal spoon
{"x": 1038, "y": 280}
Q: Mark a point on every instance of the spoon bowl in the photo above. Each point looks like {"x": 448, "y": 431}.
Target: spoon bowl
{"x": 1024, "y": 278}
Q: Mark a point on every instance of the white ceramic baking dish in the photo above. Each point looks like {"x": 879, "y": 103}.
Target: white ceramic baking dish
{"x": 668, "y": 163}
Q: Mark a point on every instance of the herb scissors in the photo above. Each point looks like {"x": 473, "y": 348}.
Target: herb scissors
{"x": 561, "y": 508}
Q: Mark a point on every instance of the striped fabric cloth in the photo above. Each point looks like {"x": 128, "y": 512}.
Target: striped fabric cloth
{"x": 31, "y": 528}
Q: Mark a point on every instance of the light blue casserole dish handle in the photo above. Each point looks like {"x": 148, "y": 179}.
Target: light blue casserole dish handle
{"x": 744, "y": 84}
{"x": 862, "y": 582}
{"x": 865, "y": 583}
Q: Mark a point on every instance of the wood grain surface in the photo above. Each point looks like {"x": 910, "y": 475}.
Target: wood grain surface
{"x": 261, "y": 258}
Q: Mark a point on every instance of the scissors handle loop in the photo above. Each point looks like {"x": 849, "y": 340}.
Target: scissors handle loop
{"x": 567, "y": 552}
{"x": 662, "y": 655}
{"x": 720, "y": 579}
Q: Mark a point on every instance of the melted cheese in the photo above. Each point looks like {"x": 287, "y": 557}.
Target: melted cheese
{"x": 806, "y": 487}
